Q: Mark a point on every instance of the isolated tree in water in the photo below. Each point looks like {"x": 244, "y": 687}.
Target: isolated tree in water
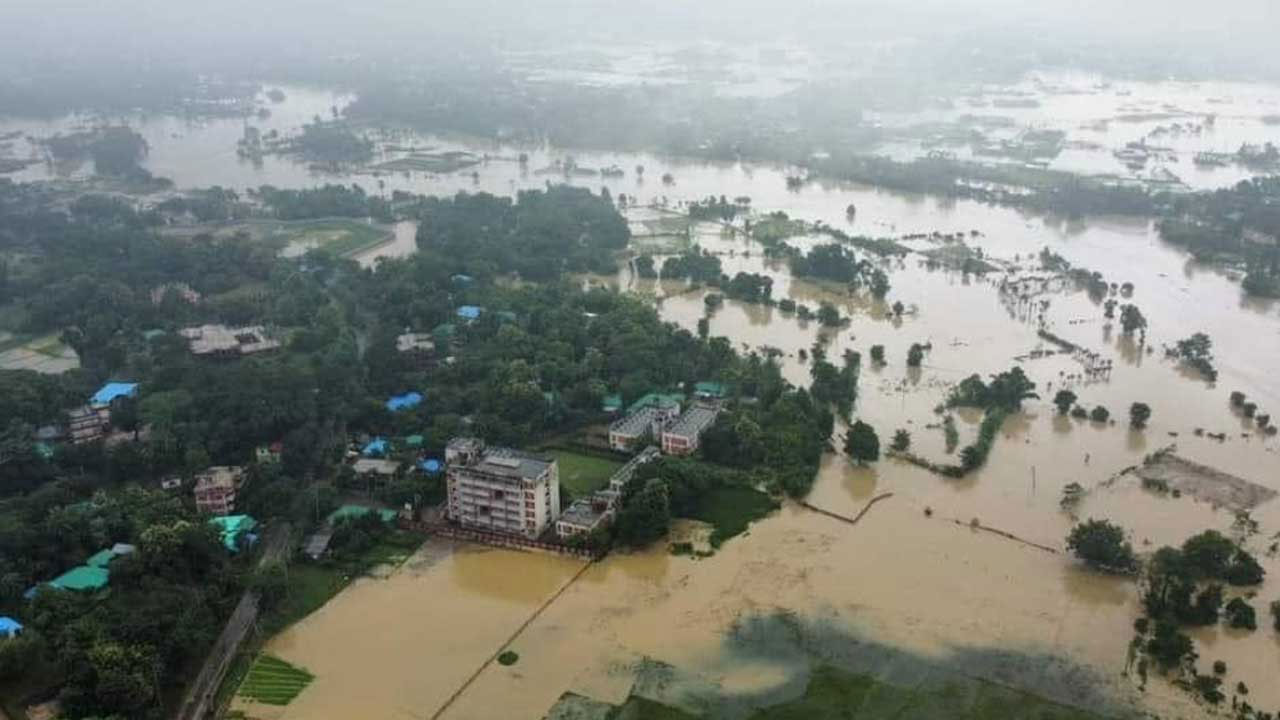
{"x": 862, "y": 444}
{"x": 1139, "y": 414}
{"x": 1064, "y": 400}
{"x": 1101, "y": 545}
{"x": 901, "y": 441}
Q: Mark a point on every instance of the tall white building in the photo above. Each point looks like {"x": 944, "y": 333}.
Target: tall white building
{"x": 501, "y": 490}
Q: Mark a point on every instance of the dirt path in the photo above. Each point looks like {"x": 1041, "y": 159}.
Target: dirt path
{"x": 512, "y": 638}
{"x": 196, "y": 703}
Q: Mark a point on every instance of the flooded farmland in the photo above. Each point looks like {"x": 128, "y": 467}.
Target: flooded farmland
{"x": 902, "y": 594}
{"x": 946, "y": 577}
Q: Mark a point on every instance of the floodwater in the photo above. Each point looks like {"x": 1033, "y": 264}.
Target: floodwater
{"x": 1101, "y": 116}
{"x": 931, "y": 588}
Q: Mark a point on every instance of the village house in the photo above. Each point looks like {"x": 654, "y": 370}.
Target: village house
{"x": 683, "y": 436}
{"x": 500, "y": 489}
{"x": 216, "y": 489}
{"x": 223, "y": 341}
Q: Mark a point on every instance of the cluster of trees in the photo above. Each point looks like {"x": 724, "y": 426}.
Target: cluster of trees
{"x": 539, "y": 236}
{"x": 118, "y": 653}
{"x": 838, "y": 263}
{"x": 695, "y": 265}
{"x": 1003, "y": 395}
{"x": 1196, "y": 352}
{"x": 835, "y": 386}
{"x": 325, "y": 201}
{"x": 116, "y": 150}
{"x": 332, "y": 142}
{"x": 713, "y": 208}
{"x": 685, "y": 488}
{"x": 1006, "y": 391}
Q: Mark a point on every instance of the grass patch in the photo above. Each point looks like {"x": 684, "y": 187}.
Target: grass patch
{"x": 273, "y": 681}
{"x": 584, "y": 474}
{"x": 834, "y": 694}
{"x": 731, "y": 510}
{"x": 338, "y": 237}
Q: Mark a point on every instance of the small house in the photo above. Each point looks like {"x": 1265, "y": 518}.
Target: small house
{"x": 111, "y": 392}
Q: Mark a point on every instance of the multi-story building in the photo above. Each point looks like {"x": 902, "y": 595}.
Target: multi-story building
{"x": 644, "y": 421}
{"x": 216, "y": 489}
{"x": 683, "y": 436}
{"x": 500, "y": 489}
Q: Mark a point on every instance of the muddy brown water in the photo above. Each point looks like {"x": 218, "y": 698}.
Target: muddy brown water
{"x": 400, "y": 645}
{"x": 930, "y": 587}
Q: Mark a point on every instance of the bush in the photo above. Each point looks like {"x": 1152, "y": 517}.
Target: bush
{"x": 1100, "y": 414}
{"x": 1219, "y": 667}
{"x": 1079, "y": 413}
{"x": 1237, "y": 399}
{"x": 508, "y": 657}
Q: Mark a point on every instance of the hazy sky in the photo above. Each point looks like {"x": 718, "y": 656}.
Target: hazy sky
{"x": 245, "y": 30}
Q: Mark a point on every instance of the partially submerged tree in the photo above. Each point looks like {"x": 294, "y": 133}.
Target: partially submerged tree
{"x": 1139, "y": 414}
{"x": 862, "y": 444}
{"x": 1064, "y": 400}
{"x": 901, "y": 441}
{"x": 1102, "y": 546}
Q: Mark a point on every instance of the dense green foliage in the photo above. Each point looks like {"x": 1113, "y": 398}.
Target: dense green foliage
{"x": 862, "y": 444}
{"x": 539, "y": 236}
{"x": 1102, "y": 545}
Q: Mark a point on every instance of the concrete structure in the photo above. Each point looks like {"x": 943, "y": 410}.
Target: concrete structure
{"x": 645, "y": 420}
{"x": 86, "y": 424}
{"x": 216, "y": 489}
{"x": 682, "y": 436}
{"x": 223, "y": 341}
{"x": 416, "y": 343}
{"x": 375, "y": 466}
{"x": 598, "y": 509}
{"x": 501, "y": 490}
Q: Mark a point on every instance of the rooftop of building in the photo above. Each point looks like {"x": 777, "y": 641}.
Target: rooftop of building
{"x": 584, "y": 512}
{"x": 220, "y": 338}
{"x": 635, "y": 424}
{"x": 404, "y": 402}
{"x": 657, "y": 400}
{"x": 113, "y": 390}
{"x": 503, "y": 462}
{"x": 375, "y": 465}
{"x": 220, "y": 476}
{"x": 694, "y": 420}
{"x": 415, "y": 341}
